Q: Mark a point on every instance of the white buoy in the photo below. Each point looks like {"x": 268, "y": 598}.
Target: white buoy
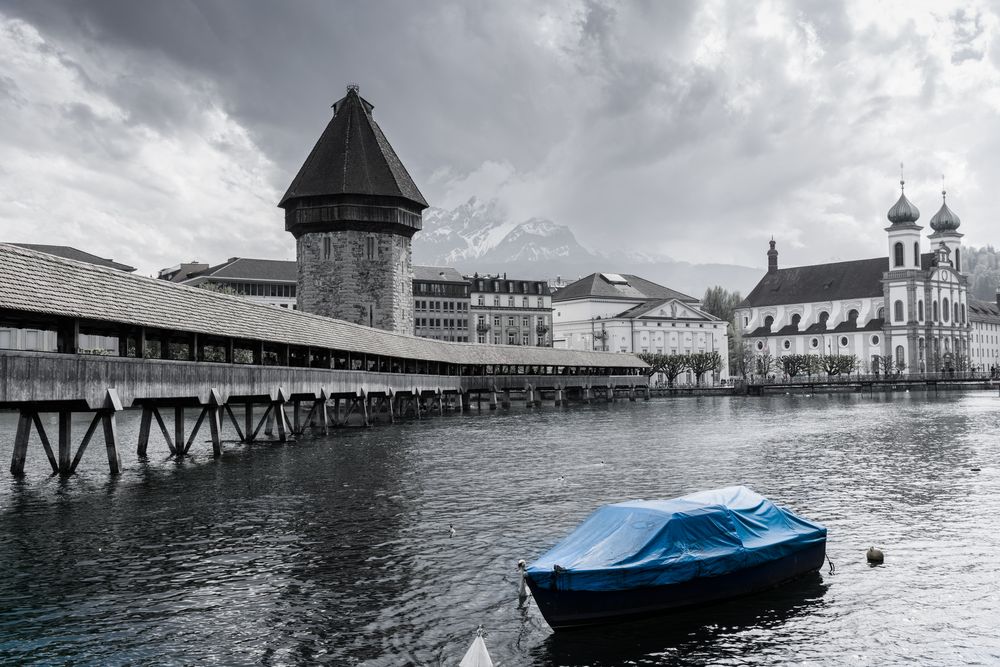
{"x": 451, "y": 530}
{"x": 477, "y": 655}
{"x": 875, "y": 556}
{"x": 522, "y": 588}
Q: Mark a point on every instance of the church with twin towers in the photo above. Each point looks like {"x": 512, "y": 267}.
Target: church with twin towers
{"x": 912, "y": 304}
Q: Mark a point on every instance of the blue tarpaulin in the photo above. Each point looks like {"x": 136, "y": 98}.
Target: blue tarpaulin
{"x": 641, "y": 543}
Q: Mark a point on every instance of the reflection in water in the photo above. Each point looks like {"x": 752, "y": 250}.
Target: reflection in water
{"x": 338, "y": 550}
{"x": 696, "y": 635}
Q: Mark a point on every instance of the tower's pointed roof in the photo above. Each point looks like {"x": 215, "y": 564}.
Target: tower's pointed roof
{"x": 903, "y": 211}
{"x": 353, "y": 157}
{"x": 945, "y": 219}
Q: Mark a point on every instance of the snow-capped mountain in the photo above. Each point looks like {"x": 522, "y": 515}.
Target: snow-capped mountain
{"x": 478, "y": 236}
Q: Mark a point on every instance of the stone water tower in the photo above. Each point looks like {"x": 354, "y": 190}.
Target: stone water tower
{"x": 353, "y": 209}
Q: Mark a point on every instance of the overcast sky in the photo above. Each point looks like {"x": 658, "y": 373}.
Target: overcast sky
{"x": 156, "y": 132}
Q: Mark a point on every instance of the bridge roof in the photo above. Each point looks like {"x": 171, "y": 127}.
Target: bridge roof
{"x": 40, "y": 283}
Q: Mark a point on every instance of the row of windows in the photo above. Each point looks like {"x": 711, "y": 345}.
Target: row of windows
{"x": 512, "y": 339}
{"x": 511, "y": 320}
{"x": 438, "y": 323}
{"x": 510, "y": 286}
{"x": 420, "y": 287}
{"x": 444, "y": 306}
{"x": 286, "y": 290}
{"x": 539, "y": 303}
{"x": 958, "y": 311}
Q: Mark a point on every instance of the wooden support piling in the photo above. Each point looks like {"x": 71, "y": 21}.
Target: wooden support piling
{"x": 45, "y": 441}
{"x": 214, "y": 411}
{"x": 65, "y": 440}
{"x": 86, "y": 441}
{"x": 194, "y": 431}
{"x": 110, "y": 422}
{"x": 179, "y": 430}
{"x": 248, "y": 421}
{"x": 144, "y": 424}
{"x": 163, "y": 430}
{"x": 235, "y": 423}
{"x": 21, "y": 443}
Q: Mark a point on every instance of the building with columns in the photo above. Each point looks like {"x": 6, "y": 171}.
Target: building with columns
{"x": 353, "y": 209}
{"x": 911, "y": 304}
{"x": 626, "y": 313}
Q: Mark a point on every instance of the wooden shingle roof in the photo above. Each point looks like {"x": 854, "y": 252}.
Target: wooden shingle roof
{"x": 40, "y": 283}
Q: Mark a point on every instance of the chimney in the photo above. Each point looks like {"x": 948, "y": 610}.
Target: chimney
{"x": 772, "y": 258}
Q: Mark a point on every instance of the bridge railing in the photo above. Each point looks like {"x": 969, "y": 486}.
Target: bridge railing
{"x": 84, "y": 379}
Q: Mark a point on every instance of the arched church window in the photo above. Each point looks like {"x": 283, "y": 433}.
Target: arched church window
{"x": 934, "y": 311}
{"x": 916, "y": 254}
{"x": 796, "y": 318}
{"x": 963, "y": 313}
{"x": 897, "y": 254}
{"x": 880, "y": 314}
{"x": 956, "y": 314}
{"x": 823, "y": 317}
{"x": 900, "y": 355}
{"x": 920, "y": 310}
{"x": 958, "y": 260}
{"x": 944, "y": 309}
{"x": 768, "y": 321}
{"x": 852, "y": 317}
{"x": 897, "y": 311}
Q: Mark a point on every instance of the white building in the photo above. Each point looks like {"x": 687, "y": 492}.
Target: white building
{"x": 910, "y": 304}
{"x": 626, "y": 313}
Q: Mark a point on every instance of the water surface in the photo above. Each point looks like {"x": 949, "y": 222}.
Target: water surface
{"x": 337, "y": 549}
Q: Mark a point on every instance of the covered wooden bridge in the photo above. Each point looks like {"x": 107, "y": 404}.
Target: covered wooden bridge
{"x": 181, "y": 347}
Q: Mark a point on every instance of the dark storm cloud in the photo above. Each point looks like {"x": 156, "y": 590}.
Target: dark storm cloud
{"x": 696, "y": 128}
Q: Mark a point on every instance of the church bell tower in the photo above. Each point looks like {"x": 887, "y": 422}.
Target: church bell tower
{"x": 353, "y": 209}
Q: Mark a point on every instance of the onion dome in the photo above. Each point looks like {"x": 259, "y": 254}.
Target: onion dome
{"x": 903, "y": 211}
{"x": 945, "y": 220}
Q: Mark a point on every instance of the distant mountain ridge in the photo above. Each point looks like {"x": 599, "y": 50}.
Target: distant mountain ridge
{"x": 478, "y": 236}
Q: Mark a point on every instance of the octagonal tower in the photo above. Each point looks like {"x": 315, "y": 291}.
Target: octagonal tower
{"x": 353, "y": 209}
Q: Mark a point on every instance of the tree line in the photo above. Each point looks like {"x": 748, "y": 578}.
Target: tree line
{"x": 672, "y": 365}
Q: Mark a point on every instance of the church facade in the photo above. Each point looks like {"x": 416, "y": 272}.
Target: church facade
{"x": 911, "y": 304}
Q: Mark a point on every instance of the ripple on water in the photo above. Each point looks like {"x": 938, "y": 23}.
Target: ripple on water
{"x": 338, "y": 550}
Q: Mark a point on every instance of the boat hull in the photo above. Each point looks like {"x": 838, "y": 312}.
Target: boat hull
{"x": 569, "y": 609}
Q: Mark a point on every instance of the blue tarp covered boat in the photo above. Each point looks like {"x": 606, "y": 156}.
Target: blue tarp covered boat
{"x": 643, "y": 557}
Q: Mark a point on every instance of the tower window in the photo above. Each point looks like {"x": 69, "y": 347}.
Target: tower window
{"x": 916, "y": 254}
{"x": 897, "y": 311}
{"x": 371, "y": 248}
{"x": 920, "y": 310}
{"x": 327, "y": 247}
{"x": 897, "y": 254}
